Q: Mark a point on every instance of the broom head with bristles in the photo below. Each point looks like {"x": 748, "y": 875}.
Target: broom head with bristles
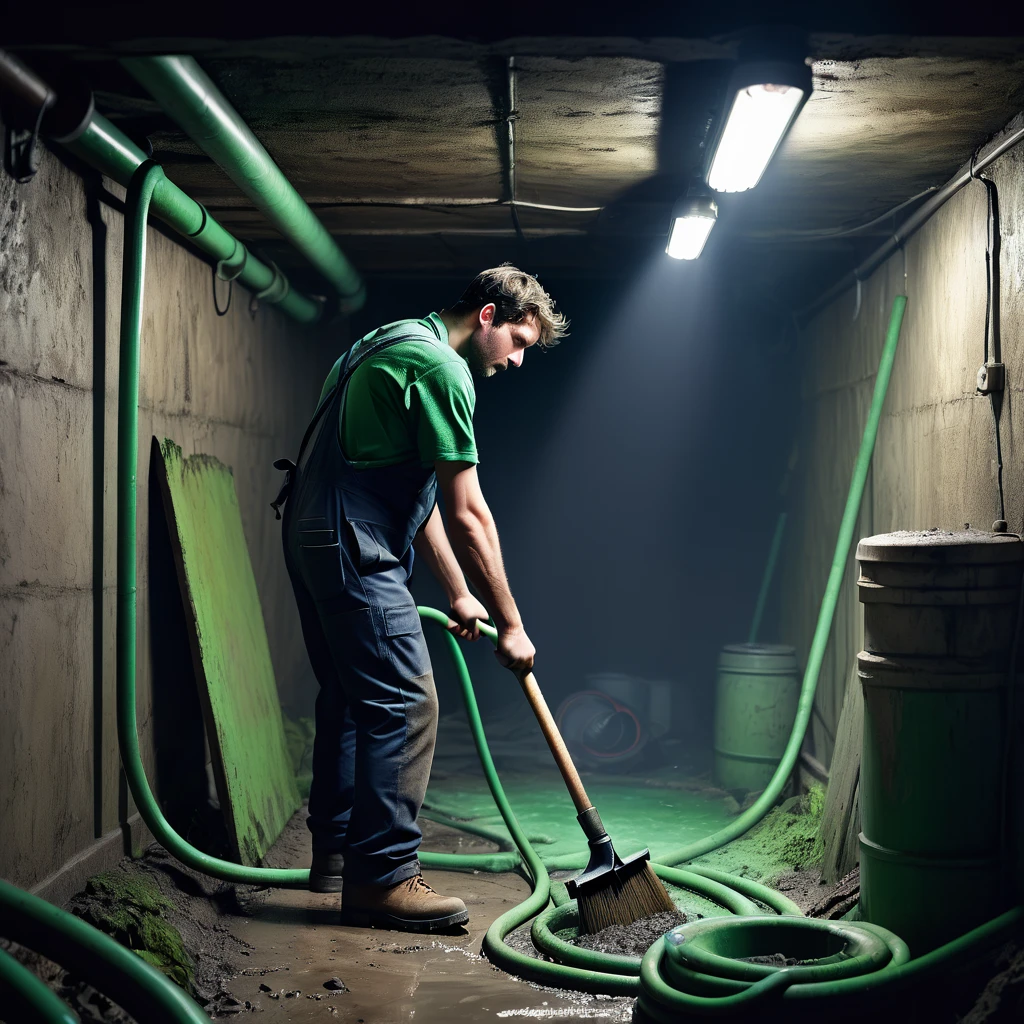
{"x": 615, "y": 891}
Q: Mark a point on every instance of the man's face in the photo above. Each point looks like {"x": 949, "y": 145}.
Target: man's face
{"x": 493, "y": 348}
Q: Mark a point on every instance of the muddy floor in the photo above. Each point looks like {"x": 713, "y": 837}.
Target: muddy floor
{"x": 292, "y": 956}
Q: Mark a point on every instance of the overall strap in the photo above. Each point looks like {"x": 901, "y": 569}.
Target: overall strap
{"x": 348, "y": 367}
{"x": 335, "y": 394}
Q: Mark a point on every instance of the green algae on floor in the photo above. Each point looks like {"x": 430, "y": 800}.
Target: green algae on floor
{"x": 635, "y": 816}
{"x": 785, "y": 840}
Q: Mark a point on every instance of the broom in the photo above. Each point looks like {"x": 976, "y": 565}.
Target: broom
{"x": 609, "y": 890}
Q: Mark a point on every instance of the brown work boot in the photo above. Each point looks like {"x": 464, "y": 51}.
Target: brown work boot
{"x": 325, "y": 872}
{"x": 409, "y": 906}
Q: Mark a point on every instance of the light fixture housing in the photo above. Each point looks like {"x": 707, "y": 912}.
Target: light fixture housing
{"x": 763, "y": 99}
{"x": 692, "y": 221}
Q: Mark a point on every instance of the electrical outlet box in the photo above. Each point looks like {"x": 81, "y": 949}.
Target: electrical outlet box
{"x": 991, "y": 377}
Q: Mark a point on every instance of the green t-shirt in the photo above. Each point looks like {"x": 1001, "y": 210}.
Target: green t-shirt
{"x": 414, "y": 400}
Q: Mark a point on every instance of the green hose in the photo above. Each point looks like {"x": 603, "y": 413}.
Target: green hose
{"x": 662, "y": 1000}
{"x": 140, "y": 194}
{"x": 764, "y": 803}
{"x": 28, "y": 998}
{"x": 142, "y": 990}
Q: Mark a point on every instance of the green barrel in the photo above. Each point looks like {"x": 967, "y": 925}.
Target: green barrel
{"x": 940, "y": 610}
{"x": 756, "y": 694}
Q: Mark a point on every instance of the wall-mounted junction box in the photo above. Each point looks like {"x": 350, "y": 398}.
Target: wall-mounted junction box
{"x": 991, "y": 377}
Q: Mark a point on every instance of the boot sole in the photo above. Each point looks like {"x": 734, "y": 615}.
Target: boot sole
{"x": 378, "y": 919}
{"x": 325, "y": 883}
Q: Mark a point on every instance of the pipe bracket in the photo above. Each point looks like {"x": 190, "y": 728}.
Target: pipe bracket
{"x": 234, "y": 265}
{"x": 278, "y": 287}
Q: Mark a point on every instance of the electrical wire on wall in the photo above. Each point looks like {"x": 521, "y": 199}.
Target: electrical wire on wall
{"x": 991, "y": 378}
{"x": 510, "y": 121}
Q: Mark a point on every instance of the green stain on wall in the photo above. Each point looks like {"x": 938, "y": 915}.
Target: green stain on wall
{"x": 230, "y": 652}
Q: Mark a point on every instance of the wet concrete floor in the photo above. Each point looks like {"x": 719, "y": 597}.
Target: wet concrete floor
{"x": 296, "y": 947}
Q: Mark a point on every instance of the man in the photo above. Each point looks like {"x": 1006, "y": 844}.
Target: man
{"x": 395, "y": 420}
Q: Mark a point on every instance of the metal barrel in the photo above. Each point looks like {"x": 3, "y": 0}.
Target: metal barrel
{"x": 940, "y": 614}
{"x": 756, "y": 694}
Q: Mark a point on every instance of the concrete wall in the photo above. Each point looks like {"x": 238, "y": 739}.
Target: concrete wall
{"x": 935, "y": 460}
{"x": 239, "y": 387}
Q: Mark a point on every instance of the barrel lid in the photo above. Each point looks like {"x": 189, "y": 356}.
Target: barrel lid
{"x": 766, "y": 650}
{"x": 931, "y": 546}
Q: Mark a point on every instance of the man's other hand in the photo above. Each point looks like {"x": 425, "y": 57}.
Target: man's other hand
{"x": 515, "y": 651}
{"x": 464, "y": 617}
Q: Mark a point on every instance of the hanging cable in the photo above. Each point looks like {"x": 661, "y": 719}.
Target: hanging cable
{"x": 510, "y": 121}
{"x": 216, "y": 304}
{"x": 813, "y": 236}
{"x": 993, "y": 343}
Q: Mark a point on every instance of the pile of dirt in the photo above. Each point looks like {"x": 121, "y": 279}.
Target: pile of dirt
{"x": 634, "y": 939}
{"x": 771, "y": 960}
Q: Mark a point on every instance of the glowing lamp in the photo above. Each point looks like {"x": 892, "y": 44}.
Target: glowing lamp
{"x": 762, "y": 102}
{"x": 692, "y": 221}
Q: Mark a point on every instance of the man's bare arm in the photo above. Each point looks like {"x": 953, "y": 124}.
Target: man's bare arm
{"x": 432, "y": 545}
{"x": 474, "y": 538}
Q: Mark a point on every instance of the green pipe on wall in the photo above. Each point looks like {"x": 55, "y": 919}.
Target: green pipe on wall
{"x": 105, "y": 147}
{"x": 187, "y": 94}
{"x": 826, "y": 613}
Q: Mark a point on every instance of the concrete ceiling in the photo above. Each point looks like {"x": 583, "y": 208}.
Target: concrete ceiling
{"x": 401, "y": 147}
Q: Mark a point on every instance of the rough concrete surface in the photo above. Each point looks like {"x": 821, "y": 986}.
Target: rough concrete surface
{"x": 415, "y": 125}
{"x": 934, "y": 463}
{"x": 238, "y": 387}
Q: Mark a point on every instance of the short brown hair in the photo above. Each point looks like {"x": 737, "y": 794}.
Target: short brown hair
{"x": 516, "y": 295}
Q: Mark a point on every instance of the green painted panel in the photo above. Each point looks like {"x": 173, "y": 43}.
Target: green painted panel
{"x": 237, "y": 688}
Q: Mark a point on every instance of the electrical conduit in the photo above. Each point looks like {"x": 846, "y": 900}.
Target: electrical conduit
{"x": 187, "y": 94}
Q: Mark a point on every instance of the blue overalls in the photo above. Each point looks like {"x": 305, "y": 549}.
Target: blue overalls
{"x": 347, "y": 542}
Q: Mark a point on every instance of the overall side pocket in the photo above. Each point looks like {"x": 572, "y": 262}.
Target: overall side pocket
{"x": 318, "y": 550}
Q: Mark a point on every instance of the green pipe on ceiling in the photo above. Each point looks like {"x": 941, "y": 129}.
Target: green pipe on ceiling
{"x": 105, "y": 147}
{"x": 187, "y": 94}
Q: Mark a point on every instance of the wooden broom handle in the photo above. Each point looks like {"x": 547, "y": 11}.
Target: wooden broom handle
{"x": 558, "y": 748}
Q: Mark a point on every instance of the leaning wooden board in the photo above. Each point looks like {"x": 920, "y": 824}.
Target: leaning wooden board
{"x": 237, "y": 689}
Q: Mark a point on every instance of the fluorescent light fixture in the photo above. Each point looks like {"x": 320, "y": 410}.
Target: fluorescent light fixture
{"x": 692, "y": 221}
{"x": 763, "y": 101}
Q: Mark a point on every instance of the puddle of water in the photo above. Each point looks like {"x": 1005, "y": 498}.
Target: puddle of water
{"x": 392, "y": 977}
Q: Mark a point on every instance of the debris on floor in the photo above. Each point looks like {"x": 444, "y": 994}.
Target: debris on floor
{"x": 840, "y": 899}
{"x": 633, "y": 939}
